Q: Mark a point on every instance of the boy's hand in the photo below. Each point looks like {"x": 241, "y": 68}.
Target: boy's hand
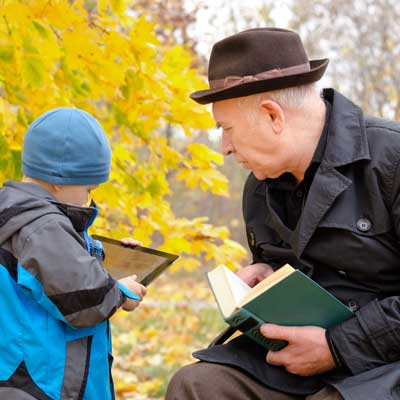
{"x": 130, "y": 242}
{"x": 135, "y": 287}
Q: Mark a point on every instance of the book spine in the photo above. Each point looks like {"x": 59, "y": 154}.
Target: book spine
{"x": 248, "y": 323}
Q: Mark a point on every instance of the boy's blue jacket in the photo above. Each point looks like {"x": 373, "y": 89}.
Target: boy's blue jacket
{"x": 55, "y": 300}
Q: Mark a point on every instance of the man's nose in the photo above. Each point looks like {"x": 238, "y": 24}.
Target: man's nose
{"x": 227, "y": 147}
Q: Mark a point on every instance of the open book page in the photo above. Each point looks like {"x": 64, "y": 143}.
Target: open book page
{"x": 237, "y": 286}
{"x": 227, "y": 287}
{"x": 267, "y": 283}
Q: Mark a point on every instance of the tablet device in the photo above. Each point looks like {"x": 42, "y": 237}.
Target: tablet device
{"x": 121, "y": 260}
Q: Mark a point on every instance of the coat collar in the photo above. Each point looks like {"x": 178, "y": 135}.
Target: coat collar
{"x": 347, "y": 143}
{"x": 347, "y": 140}
{"x": 80, "y": 217}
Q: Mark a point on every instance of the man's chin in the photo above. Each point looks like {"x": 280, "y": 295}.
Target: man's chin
{"x": 260, "y": 176}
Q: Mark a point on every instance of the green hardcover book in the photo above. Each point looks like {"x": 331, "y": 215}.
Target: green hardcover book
{"x": 287, "y": 297}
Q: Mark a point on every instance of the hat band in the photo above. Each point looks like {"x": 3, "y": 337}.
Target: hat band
{"x": 272, "y": 73}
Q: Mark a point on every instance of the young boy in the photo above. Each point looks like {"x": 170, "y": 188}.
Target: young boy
{"x": 55, "y": 296}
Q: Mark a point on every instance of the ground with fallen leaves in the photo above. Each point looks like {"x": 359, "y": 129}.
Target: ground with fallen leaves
{"x": 179, "y": 315}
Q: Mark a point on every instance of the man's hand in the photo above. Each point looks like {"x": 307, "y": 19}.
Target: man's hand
{"x": 254, "y": 273}
{"x": 135, "y": 287}
{"x": 307, "y": 352}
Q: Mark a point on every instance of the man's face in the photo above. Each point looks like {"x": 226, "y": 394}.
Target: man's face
{"x": 248, "y": 134}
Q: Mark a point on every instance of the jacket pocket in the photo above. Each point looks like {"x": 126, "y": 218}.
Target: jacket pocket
{"x": 362, "y": 226}
{"x": 259, "y": 235}
{"x": 76, "y": 371}
{"x": 359, "y": 219}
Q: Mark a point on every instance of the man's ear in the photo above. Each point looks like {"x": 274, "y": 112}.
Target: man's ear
{"x": 273, "y": 111}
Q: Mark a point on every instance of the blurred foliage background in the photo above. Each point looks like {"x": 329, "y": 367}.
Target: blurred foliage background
{"x": 132, "y": 64}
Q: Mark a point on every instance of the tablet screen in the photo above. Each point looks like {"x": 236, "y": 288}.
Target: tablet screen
{"x": 121, "y": 261}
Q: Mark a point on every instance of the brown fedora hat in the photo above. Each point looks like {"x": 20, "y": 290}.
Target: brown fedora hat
{"x": 255, "y": 61}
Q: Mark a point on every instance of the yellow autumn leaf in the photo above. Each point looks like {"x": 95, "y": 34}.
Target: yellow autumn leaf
{"x": 202, "y": 154}
{"x": 110, "y": 62}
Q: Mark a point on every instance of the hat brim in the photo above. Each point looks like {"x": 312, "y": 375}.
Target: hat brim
{"x": 317, "y": 69}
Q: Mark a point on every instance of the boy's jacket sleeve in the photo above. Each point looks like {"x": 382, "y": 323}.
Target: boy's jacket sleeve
{"x": 59, "y": 273}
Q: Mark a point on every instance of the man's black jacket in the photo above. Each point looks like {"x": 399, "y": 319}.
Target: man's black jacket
{"x": 347, "y": 239}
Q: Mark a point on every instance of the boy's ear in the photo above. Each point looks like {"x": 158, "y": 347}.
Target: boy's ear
{"x": 56, "y": 188}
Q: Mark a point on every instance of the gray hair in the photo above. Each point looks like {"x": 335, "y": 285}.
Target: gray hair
{"x": 296, "y": 97}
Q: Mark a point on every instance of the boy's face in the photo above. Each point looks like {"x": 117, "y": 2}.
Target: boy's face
{"x": 77, "y": 195}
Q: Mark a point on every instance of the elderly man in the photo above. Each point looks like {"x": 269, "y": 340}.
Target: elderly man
{"x": 323, "y": 195}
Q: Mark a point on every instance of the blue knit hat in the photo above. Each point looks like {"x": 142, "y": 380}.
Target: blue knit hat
{"x": 66, "y": 146}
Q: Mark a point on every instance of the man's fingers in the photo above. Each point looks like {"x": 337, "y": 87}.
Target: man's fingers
{"x": 275, "y": 358}
{"x": 265, "y": 272}
{"x": 254, "y": 273}
{"x": 245, "y": 275}
{"x": 272, "y": 331}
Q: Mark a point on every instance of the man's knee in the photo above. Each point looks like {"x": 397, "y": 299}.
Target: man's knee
{"x": 210, "y": 381}
{"x": 187, "y": 379}
{"x": 204, "y": 380}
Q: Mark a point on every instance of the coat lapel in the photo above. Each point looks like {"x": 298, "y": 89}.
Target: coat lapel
{"x": 327, "y": 185}
{"x": 347, "y": 143}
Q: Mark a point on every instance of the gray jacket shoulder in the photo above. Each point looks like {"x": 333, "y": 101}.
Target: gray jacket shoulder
{"x": 55, "y": 222}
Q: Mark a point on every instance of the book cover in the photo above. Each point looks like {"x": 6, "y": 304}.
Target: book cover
{"x": 248, "y": 323}
{"x": 287, "y": 297}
